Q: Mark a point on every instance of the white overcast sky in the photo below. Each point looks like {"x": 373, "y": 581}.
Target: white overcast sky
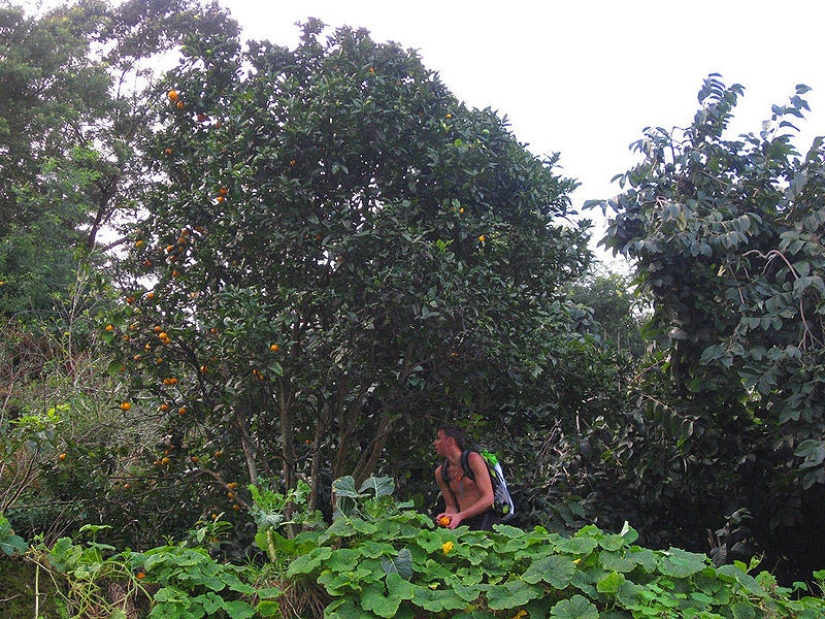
{"x": 583, "y": 78}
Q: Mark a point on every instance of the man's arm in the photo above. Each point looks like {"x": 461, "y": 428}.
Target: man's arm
{"x": 449, "y": 500}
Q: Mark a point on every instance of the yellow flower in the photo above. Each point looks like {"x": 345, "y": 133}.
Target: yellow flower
{"x": 447, "y": 547}
{"x": 520, "y": 615}
{"x": 577, "y": 561}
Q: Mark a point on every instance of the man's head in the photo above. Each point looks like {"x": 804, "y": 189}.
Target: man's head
{"x": 454, "y": 432}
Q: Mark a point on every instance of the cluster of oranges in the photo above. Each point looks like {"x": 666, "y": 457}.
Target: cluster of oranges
{"x": 232, "y": 496}
{"x": 175, "y": 98}
{"x": 172, "y": 254}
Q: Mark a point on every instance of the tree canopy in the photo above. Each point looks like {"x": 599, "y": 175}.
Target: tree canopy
{"x": 338, "y": 252}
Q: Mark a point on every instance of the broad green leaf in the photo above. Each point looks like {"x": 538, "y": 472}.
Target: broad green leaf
{"x": 374, "y": 599}
{"x": 210, "y": 602}
{"x": 345, "y": 608}
{"x": 308, "y": 562}
{"x": 628, "y": 533}
{"x": 268, "y": 608}
{"x": 438, "y": 600}
{"x": 364, "y": 527}
{"x": 379, "y": 486}
{"x": 750, "y": 584}
{"x": 628, "y": 594}
{"x": 681, "y": 564}
{"x": 611, "y": 583}
{"x": 12, "y": 544}
{"x": 612, "y": 542}
{"x": 577, "y": 607}
{"x": 340, "y": 527}
{"x": 467, "y": 592}
{"x": 577, "y": 545}
{"x": 615, "y": 562}
{"x": 556, "y": 570}
{"x": 345, "y": 487}
{"x": 512, "y": 594}
{"x": 402, "y": 564}
{"x": 742, "y": 610}
{"x": 343, "y": 559}
{"x": 398, "y": 586}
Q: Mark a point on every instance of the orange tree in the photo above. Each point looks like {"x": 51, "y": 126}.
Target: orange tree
{"x": 74, "y": 118}
{"x": 338, "y": 256}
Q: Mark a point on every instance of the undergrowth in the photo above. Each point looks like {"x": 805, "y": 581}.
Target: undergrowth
{"x": 381, "y": 559}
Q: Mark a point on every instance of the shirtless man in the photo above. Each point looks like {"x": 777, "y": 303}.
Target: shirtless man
{"x": 467, "y": 502}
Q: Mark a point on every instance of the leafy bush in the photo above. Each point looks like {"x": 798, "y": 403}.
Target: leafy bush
{"x": 171, "y": 581}
{"x": 379, "y": 558}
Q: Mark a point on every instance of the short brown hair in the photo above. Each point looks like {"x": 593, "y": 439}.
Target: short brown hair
{"x": 455, "y": 433}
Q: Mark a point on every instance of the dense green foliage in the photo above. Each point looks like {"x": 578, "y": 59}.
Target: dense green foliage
{"x": 725, "y": 236}
{"x": 335, "y": 245}
{"x": 381, "y": 559}
{"x": 315, "y": 256}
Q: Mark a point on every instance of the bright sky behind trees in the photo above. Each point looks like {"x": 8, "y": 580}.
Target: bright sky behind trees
{"x": 584, "y": 78}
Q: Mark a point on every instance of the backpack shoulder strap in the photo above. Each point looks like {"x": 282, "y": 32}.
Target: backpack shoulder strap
{"x": 465, "y": 464}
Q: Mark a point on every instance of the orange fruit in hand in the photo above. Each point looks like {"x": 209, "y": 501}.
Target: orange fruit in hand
{"x": 444, "y": 521}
